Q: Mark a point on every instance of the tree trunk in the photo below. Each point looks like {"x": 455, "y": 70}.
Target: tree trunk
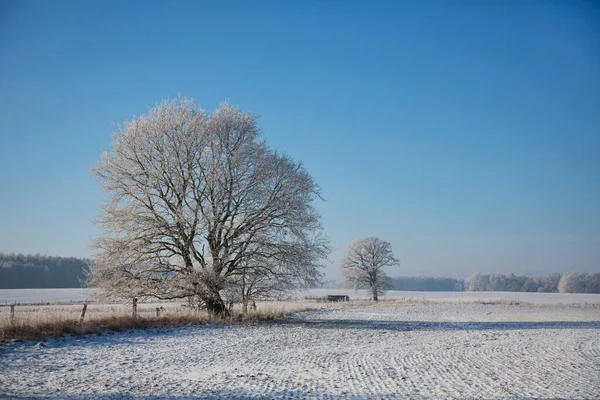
{"x": 209, "y": 293}
{"x": 375, "y": 294}
{"x": 245, "y": 307}
{"x": 215, "y": 304}
{"x": 216, "y": 307}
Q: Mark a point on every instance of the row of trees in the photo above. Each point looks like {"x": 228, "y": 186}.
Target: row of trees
{"x": 575, "y": 282}
{"x": 427, "y": 284}
{"x": 19, "y": 271}
{"x": 512, "y": 283}
{"x": 570, "y": 282}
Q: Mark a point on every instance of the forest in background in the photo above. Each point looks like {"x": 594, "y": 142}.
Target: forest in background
{"x": 427, "y": 284}
{"x": 19, "y": 271}
{"x": 569, "y": 282}
{"x": 35, "y": 271}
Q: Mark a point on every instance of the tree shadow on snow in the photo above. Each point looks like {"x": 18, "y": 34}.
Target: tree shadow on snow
{"x": 405, "y": 326}
{"x": 109, "y": 337}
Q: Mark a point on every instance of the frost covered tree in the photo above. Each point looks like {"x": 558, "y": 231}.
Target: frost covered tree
{"x": 512, "y": 283}
{"x": 364, "y": 262}
{"x": 578, "y": 282}
{"x": 198, "y": 201}
{"x": 477, "y": 282}
{"x": 541, "y": 284}
{"x": 267, "y": 275}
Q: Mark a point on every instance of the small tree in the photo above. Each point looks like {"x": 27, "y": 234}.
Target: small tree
{"x": 364, "y": 262}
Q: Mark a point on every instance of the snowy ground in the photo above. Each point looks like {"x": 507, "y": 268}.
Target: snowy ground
{"x": 10, "y": 296}
{"x": 43, "y": 296}
{"x": 412, "y": 351}
{"x": 461, "y": 297}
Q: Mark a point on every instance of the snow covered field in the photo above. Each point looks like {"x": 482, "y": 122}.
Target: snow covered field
{"x": 449, "y": 350}
{"x": 462, "y": 297}
{"x": 9, "y": 296}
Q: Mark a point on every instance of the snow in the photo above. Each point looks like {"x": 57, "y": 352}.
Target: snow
{"x": 451, "y": 350}
{"x": 535, "y": 298}
{"x": 8, "y": 296}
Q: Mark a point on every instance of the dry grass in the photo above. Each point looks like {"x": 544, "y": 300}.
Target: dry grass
{"x": 43, "y": 320}
{"x": 39, "y": 321}
{"x": 29, "y": 331}
{"x": 34, "y": 322}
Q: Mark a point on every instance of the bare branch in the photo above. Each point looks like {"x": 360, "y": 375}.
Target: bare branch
{"x": 198, "y": 200}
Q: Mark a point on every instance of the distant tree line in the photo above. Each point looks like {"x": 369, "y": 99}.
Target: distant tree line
{"x": 35, "y": 271}
{"x": 427, "y": 284}
{"x": 19, "y": 271}
{"x": 574, "y": 282}
{"x": 569, "y": 282}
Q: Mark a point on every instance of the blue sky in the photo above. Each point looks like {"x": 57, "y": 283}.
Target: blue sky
{"x": 465, "y": 133}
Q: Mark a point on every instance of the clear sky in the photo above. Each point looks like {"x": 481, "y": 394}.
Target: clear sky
{"x": 465, "y": 133}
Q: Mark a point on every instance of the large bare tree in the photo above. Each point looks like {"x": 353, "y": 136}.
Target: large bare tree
{"x": 198, "y": 203}
{"x": 364, "y": 261}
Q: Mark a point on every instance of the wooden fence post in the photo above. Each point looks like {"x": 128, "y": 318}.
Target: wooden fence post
{"x": 12, "y": 314}
{"x": 134, "y": 312}
{"x": 83, "y": 313}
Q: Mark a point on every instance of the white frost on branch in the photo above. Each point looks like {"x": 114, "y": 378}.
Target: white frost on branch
{"x": 364, "y": 262}
{"x": 199, "y": 203}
